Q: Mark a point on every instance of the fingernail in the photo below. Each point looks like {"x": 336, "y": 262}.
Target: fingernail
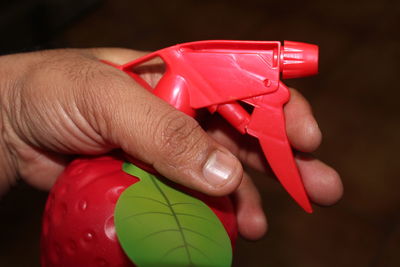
{"x": 219, "y": 168}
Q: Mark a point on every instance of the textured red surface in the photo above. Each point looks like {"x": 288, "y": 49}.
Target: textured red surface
{"x": 78, "y": 223}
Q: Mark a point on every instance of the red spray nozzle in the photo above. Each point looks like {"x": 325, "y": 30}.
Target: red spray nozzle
{"x": 298, "y": 60}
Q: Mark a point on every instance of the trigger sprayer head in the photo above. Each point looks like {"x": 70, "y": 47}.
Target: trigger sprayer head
{"x": 298, "y": 59}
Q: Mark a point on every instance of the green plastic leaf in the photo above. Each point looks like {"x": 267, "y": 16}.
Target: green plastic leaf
{"x": 158, "y": 225}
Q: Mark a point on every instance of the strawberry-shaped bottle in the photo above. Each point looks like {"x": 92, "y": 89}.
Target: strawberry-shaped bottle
{"x": 170, "y": 227}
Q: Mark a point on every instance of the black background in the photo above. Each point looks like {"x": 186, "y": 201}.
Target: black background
{"x": 355, "y": 99}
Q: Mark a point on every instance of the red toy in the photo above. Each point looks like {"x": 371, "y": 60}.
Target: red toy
{"x": 81, "y": 212}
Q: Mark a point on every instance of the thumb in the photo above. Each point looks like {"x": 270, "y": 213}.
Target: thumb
{"x": 154, "y": 132}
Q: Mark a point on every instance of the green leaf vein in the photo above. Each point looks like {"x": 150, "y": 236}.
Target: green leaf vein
{"x": 185, "y": 203}
{"x": 149, "y": 198}
{"x": 146, "y": 213}
{"x": 202, "y": 235}
{"x": 185, "y": 243}
{"x": 158, "y": 232}
{"x": 193, "y": 215}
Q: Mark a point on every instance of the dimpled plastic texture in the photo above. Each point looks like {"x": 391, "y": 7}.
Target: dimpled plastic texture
{"x": 78, "y": 224}
{"x": 219, "y": 75}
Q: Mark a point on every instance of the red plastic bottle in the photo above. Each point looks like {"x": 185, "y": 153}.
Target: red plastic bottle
{"x": 78, "y": 223}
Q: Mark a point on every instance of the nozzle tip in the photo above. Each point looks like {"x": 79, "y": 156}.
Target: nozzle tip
{"x": 298, "y": 60}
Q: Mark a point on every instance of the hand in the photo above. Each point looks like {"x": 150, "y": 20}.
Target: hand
{"x": 55, "y": 104}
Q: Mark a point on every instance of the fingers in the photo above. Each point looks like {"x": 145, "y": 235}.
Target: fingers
{"x": 322, "y": 182}
{"x": 252, "y": 222}
{"x": 301, "y": 127}
{"x": 153, "y": 131}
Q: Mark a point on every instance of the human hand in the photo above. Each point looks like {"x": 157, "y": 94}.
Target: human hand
{"x": 55, "y": 104}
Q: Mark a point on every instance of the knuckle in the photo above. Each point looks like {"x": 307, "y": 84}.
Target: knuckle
{"x": 81, "y": 70}
{"x": 77, "y": 83}
{"x": 71, "y": 66}
{"x": 179, "y": 136}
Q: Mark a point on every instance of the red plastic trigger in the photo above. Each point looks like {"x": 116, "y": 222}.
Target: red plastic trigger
{"x": 267, "y": 123}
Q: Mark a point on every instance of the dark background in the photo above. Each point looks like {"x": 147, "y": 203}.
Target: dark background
{"x": 355, "y": 99}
